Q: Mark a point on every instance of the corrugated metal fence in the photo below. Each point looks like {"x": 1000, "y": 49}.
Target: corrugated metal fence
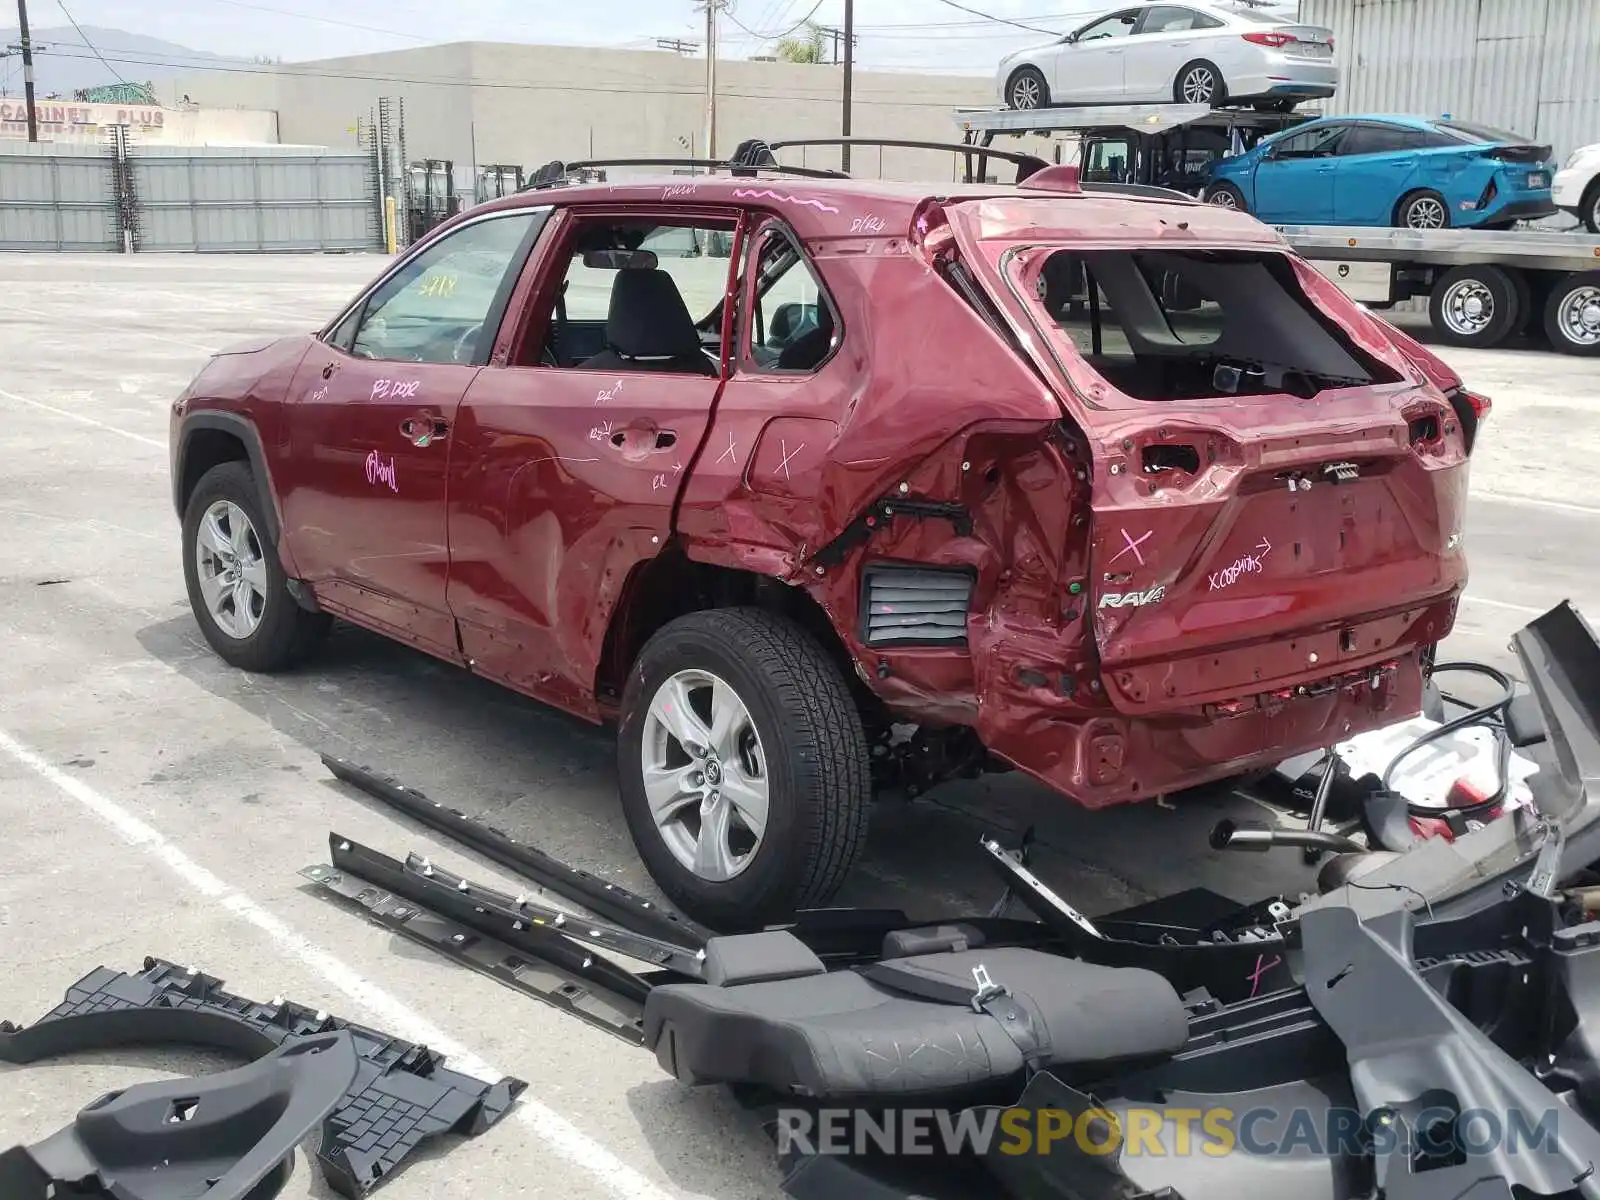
{"x": 1531, "y": 66}
{"x": 277, "y": 198}
{"x": 56, "y": 198}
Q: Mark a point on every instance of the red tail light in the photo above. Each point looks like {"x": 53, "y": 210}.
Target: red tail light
{"x": 1481, "y": 405}
{"x": 1274, "y": 40}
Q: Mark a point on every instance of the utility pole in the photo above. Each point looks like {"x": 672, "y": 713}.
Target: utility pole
{"x": 713, "y": 7}
{"x": 849, "y": 72}
{"x": 677, "y": 45}
{"x": 27, "y": 70}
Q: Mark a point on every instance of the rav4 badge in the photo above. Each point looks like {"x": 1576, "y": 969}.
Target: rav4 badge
{"x": 1132, "y": 599}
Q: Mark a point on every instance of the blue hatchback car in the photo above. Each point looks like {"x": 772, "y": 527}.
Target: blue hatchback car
{"x": 1412, "y": 172}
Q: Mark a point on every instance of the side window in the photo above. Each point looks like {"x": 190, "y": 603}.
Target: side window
{"x": 1166, "y": 18}
{"x": 641, "y": 294}
{"x": 1379, "y": 139}
{"x": 1118, "y": 25}
{"x": 1108, "y": 161}
{"x": 445, "y": 304}
{"x": 1313, "y": 143}
{"x": 791, "y": 324}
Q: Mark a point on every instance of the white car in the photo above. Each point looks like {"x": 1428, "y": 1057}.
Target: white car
{"x": 1215, "y": 54}
{"x": 1576, "y": 187}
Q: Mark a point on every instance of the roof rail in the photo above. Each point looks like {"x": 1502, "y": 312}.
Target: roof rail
{"x": 756, "y": 151}
{"x": 557, "y": 173}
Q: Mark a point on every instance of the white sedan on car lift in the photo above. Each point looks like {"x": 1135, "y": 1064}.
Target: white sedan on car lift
{"x": 1217, "y": 53}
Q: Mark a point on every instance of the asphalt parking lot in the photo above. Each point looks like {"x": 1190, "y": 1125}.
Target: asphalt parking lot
{"x": 154, "y": 801}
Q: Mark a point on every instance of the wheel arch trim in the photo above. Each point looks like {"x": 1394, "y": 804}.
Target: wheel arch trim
{"x": 245, "y": 431}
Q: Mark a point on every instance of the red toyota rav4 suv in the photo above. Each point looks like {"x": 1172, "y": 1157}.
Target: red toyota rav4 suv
{"x": 811, "y": 483}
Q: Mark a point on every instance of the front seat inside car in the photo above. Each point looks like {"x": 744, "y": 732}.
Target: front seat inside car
{"x": 649, "y": 328}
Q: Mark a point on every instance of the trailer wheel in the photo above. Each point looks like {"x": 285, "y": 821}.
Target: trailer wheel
{"x": 1475, "y": 306}
{"x": 1572, "y": 314}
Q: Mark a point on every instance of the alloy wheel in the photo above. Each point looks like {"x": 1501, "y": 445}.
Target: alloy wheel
{"x": 1222, "y": 198}
{"x": 1579, "y": 316}
{"x": 1425, "y": 212}
{"x": 1025, "y": 92}
{"x": 232, "y": 569}
{"x": 705, "y": 774}
{"x": 1199, "y": 86}
{"x": 1468, "y": 308}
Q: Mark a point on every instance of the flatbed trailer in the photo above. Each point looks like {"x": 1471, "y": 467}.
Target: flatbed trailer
{"x": 1482, "y": 286}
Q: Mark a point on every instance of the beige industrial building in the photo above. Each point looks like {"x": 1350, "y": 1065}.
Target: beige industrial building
{"x": 479, "y": 103}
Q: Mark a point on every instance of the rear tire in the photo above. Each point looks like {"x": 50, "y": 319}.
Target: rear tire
{"x": 1475, "y": 306}
{"x": 1200, "y": 82}
{"x": 240, "y": 593}
{"x": 1572, "y": 315}
{"x": 1425, "y": 209}
{"x": 799, "y": 737}
{"x": 1027, "y": 90}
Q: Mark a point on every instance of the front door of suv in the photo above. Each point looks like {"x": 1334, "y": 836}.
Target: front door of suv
{"x": 369, "y": 425}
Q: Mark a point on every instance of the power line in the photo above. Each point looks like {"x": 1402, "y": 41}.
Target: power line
{"x": 772, "y": 37}
{"x": 997, "y": 20}
{"x": 88, "y": 43}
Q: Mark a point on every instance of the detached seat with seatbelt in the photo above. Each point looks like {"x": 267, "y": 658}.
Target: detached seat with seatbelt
{"x": 919, "y": 1024}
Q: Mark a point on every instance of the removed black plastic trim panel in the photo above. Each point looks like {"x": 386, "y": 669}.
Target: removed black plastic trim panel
{"x": 229, "y": 1136}
{"x": 604, "y": 899}
{"x": 402, "y": 1095}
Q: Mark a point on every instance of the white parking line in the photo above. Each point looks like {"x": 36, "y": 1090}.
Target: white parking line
{"x": 1537, "y": 502}
{"x": 79, "y": 417}
{"x": 1518, "y": 608}
{"x": 548, "y": 1126}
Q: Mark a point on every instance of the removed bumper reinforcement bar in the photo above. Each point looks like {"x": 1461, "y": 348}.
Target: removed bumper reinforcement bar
{"x": 402, "y": 1094}
{"x": 229, "y": 1136}
{"x": 532, "y": 960}
{"x": 604, "y": 899}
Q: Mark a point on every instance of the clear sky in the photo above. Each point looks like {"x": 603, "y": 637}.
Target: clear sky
{"x": 893, "y": 34}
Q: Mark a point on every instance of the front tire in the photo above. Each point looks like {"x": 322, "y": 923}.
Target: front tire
{"x": 1200, "y": 82}
{"x": 1590, "y": 207}
{"x": 237, "y": 587}
{"x": 743, "y": 768}
{"x": 1027, "y": 90}
{"x": 1226, "y": 195}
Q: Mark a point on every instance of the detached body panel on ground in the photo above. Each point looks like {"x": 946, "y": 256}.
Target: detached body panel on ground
{"x": 1115, "y": 490}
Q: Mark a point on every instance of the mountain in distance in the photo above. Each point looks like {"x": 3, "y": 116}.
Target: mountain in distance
{"x": 63, "y": 62}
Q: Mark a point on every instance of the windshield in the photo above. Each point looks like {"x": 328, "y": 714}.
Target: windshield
{"x": 1469, "y": 132}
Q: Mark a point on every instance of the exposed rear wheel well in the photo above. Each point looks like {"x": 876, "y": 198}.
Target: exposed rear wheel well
{"x": 204, "y": 449}
{"x": 672, "y": 585}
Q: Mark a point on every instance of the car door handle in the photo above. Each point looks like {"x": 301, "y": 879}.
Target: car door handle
{"x": 327, "y": 371}
{"x": 666, "y": 439}
{"x": 423, "y": 431}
